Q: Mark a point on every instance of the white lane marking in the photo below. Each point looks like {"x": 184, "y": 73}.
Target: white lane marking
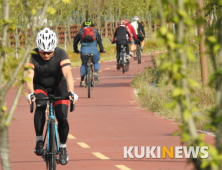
{"x": 83, "y": 145}
{"x": 71, "y": 136}
{"x": 99, "y": 155}
{"x": 122, "y": 167}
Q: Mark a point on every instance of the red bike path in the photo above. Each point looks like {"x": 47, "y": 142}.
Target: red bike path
{"x": 100, "y": 127}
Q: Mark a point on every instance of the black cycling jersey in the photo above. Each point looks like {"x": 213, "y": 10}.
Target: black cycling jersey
{"x": 48, "y": 73}
{"x": 141, "y": 29}
{"x": 121, "y": 33}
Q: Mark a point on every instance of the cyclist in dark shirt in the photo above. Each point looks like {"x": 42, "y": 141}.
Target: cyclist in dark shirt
{"x": 50, "y": 73}
{"x": 134, "y": 36}
{"x": 139, "y": 28}
{"x": 122, "y": 35}
{"x": 88, "y": 47}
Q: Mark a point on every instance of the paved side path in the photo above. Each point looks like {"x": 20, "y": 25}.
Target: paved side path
{"x": 100, "y": 127}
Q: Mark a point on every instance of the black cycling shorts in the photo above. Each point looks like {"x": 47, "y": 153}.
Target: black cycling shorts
{"x": 140, "y": 37}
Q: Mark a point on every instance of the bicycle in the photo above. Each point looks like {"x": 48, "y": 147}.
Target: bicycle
{"x": 124, "y": 63}
{"x": 51, "y": 151}
{"x": 89, "y": 79}
{"x": 138, "y": 52}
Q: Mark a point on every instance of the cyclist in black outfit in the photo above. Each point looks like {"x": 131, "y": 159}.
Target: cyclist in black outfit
{"x": 50, "y": 73}
{"x": 122, "y": 35}
{"x": 139, "y": 28}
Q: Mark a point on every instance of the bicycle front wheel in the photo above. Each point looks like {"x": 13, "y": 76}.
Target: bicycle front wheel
{"x": 52, "y": 156}
{"x": 89, "y": 80}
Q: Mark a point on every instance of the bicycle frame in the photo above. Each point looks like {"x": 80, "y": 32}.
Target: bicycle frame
{"x": 89, "y": 73}
{"x": 122, "y": 53}
{"x": 89, "y": 63}
{"x": 49, "y": 154}
{"x": 51, "y": 116}
{"x": 122, "y": 59}
{"x": 138, "y": 52}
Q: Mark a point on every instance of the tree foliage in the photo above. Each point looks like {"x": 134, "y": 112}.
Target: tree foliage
{"x": 30, "y": 15}
{"x": 180, "y": 53}
{"x": 24, "y": 15}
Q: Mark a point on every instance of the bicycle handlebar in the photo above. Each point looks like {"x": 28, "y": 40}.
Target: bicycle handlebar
{"x": 53, "y": 98}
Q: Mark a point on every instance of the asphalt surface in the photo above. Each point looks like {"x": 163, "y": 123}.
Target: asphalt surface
{"x": 100, "y": 127}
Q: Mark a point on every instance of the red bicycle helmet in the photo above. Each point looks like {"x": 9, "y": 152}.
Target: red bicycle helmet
{"x": 123, "y": 22}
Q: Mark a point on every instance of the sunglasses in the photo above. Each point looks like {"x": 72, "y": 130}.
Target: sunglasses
{"x": 44, "y": 53}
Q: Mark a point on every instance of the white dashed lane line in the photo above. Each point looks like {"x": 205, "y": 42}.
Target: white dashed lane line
{"x": 122, "y": 167}
{"x": 71, "y": 136}
{"x": 99, "y": 155}
{"x": 83, "y": 145}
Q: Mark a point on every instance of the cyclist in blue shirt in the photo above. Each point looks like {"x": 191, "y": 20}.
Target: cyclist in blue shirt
{"x": 88, "y": 46}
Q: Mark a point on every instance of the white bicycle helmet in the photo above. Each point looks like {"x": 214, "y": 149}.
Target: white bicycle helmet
{"x": 46, "y": 40}
{"x": 136, "y": 18}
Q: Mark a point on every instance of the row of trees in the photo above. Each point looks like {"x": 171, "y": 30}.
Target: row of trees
{"x": 25, "y": 14}
{"x": 104, "y": 13}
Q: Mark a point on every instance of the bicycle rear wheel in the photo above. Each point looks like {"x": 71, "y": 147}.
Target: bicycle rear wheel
{"x": 138, "y": 54}
{"x": 52, "y": 156}
{"x": 89, "y": 80}
{"x": 127, "y": 65}
{"x": 124, "y": 68}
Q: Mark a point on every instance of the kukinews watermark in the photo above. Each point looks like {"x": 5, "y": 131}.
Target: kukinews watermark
{"x": 158, "y": 152}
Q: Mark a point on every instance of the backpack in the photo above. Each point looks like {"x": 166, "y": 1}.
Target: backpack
{"x": 88, "y": 35}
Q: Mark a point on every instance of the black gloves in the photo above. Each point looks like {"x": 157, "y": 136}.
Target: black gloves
{"x": 137, "y": 41}
{"x": 102, "y": 51}
{"x": 76, "y": 51}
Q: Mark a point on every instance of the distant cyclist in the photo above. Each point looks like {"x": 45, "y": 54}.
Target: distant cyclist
{"x": 50, "y": 73}
{"x": 88, "y": 38}
{"x": 139, "y": 28}
{"x": 134, "y": 36}
{"x": 122, "y": 35}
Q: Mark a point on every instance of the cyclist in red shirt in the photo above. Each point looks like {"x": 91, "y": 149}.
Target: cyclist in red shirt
{"x": 134, "y": 36}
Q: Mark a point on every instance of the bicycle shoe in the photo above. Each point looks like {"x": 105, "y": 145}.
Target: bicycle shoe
{"x": 63, "y": 156}
{"x": 141, "y": 49}
{"x": 118, "y": 66}
{"x": 131, "y": 53}
{"x": 39, "y": 148}
{"x": 82, "y": 84}
{"x": 127, "y": 57}
{"x": 96, "y": 78}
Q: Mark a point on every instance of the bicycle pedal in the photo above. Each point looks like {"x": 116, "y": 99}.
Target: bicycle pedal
{"x": 95, "y": 82}
{"x": 57, "y": 159}
{"x": 43, "y": 157}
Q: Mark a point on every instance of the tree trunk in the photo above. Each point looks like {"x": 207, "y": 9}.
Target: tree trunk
{"x": 4, "y": 148}
{"x": 69, "y": 34}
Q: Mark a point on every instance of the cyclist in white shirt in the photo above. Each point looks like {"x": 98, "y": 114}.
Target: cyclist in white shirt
{"x": 139, "y": 32}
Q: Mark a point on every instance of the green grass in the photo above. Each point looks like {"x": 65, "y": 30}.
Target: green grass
{"x": 155, "y": 97}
